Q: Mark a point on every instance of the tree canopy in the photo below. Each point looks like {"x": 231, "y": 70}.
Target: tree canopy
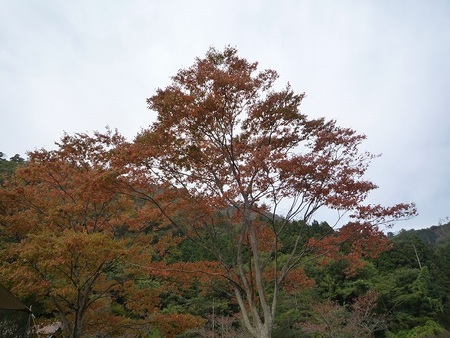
{"x": 232, "y": 149}
{"x": 74, "y": 241}
{"x": 216, "y": 200}
{"x": 7, "y": 167}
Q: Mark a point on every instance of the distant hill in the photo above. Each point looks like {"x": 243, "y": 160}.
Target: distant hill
{"x": 435, "y": 235}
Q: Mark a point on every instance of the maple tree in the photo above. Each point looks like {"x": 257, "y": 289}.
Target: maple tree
{"x": 227, "y": 153}
{"x": 71, "y": 239}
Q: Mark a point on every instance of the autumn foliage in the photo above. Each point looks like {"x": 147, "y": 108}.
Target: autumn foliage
{"x": 231, "y": 168}
{"x": 235, "y": 151}
{"x": 74, "y": 241}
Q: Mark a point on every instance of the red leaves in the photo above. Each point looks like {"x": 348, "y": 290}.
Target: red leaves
{"x": 224, "y": 140}
{"x": 377, "y": 214}
{"x": 73, "y": 235}
{"x": 180, "y": 275}
{"x": 173, "y": 324}
{"x": 354, "y": 243}
{"x": 226, "y": 151}
{"x": 294, "y": 282}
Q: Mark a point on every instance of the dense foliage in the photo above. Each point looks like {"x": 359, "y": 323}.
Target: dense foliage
{"x": 230, "y": 150}
{"x": 178, "y": 234}
{"x": 72, "y": 242}
{"x": 7, "y": 167}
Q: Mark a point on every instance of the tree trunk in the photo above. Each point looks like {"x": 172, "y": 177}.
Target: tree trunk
{"x": 77, "y": 326}
{"x": 255, "y": 326}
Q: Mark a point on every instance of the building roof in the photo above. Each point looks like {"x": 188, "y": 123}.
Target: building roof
{"x": 9, "y": 302}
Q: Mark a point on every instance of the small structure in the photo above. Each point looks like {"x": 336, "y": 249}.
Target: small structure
{"x": 15, "y": 316}
{"x": 49, "y": 330}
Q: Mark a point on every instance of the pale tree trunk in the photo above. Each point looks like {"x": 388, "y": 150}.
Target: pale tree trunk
{"x": 253, "y": 323}
{"x": 258, "y": 323}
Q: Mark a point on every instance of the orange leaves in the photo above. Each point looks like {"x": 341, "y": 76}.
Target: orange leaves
{"x": 297, "y": 281}
{"x": 377, "y": 214}
{"x": 65, "y": 261}
{"x": 73, "y": 233}
{"x": 265, "y": 238}
{"x": 166, "y": 243}
{"x": 183, "y": 274}
{"x": 202, "y": 119}
{"x": 64, "y": 195}
{"x": 141, "y": 299}
{"x": 232, "y": 151}
{"x": 329, "y": 171}
{"x": 172, "y": 324}
{"x": 354, "y": 242}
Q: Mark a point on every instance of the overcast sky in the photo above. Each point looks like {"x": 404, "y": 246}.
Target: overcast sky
{"x": 381, "y": 67}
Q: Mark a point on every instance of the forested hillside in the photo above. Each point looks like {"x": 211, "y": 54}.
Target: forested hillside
{"x": 434, "y": 235}
{"x": 177, "y": 233}
{"x": 402, "y": 293}
{"x": 7, "y": 167}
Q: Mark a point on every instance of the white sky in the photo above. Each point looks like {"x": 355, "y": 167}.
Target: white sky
{"x": 381, "y": 67}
